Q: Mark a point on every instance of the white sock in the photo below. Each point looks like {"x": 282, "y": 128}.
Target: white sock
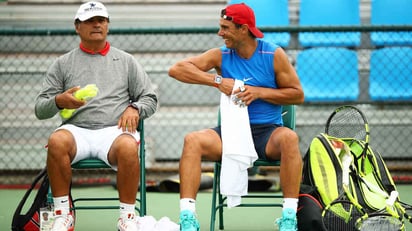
{"x": 126, "y": 209}
{"x": 62, "y": 204}
{"x": 188, "y": 204}
{"x": 290, "y": 203}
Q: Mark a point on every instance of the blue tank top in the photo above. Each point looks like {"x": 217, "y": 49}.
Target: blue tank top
{"x": 256, "y": 71}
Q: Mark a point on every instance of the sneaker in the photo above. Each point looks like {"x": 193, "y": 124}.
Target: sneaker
{"x": 288, "y": 222}
{"x": 62, "y": 222}
{"x": 127, "y": 223}
{"x": 188, "y": 221}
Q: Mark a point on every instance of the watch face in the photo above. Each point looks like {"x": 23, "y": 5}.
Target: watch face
{"x": 218, "y": 79}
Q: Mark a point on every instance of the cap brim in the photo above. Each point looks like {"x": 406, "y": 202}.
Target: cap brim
{"x": 256, "y": 32}
{"x": 94, "y": 14}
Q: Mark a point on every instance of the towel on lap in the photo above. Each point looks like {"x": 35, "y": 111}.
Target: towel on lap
{"x": 238, "y": 152}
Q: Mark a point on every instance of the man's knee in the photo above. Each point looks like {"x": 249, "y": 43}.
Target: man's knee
{"x": 125, "y": 147}
{"x": 284, "y": 142}
{"x": 191, "y": 138}
{"x": 61, "y": 141}
{"x": 125, "y": 142}
{"x": 290, "y": 137}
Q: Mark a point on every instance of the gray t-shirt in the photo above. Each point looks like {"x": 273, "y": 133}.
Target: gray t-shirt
{"x": 121, "y": 81}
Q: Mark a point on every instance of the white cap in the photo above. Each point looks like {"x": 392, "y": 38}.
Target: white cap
{"x": 91, "y": 9}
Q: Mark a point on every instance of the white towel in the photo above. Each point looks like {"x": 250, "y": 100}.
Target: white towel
{"x": 149, "y": 223}
{"x": 238, "y": 152}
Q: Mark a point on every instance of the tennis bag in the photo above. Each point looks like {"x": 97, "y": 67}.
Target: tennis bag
{"x": 309, "y": 211}
{"x": 322, "y": 170}
{"x": 30, "y": 220}
{"x": 374, "y": 183}
{"x": 373, "y": 180}
{"x": 370, "y": 182}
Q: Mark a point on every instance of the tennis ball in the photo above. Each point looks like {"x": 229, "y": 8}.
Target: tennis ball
{"x": 86, "y": 93}
{"x": 66, "y": 113}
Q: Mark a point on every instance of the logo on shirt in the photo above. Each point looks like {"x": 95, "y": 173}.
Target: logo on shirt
{"x": 247, "y": 79}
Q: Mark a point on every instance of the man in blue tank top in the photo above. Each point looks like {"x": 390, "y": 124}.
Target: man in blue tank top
{"x": 270, "y": 81}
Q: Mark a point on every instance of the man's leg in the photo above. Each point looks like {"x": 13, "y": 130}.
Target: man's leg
{"x": 61, "y": 149}
{"x": 60, "y": 153}
{"x": 124, "y": 154}
{"x": 197, "y": 145}
{"x": 284, "y": 145}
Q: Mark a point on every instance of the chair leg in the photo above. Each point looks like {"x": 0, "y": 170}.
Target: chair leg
{"x": 143, "y": 196}
{"x": 142, "y": 155}
{"x": 219, "y": 208}
{"x": 214, "y": 192}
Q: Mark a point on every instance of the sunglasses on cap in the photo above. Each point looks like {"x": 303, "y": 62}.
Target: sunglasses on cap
{"x": 224, "y": 16}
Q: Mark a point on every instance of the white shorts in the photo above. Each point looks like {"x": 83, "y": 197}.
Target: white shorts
{"x": 95, "y": 143}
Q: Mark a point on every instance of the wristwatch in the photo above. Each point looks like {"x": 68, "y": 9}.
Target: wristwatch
{"x": 218, "y": 79}
{"x": 132, "y": 105}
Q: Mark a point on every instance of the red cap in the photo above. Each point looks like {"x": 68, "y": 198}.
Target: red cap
{"x": 242, "y": 14}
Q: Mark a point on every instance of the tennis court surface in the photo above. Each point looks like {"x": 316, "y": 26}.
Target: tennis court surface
{"x": 160, "y": 205}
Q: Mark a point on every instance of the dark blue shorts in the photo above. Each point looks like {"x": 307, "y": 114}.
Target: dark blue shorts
{"x": 261, "y": 134}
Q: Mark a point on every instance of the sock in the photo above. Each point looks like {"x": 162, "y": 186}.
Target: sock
{"x": 62, "y": 204}
{"x": 126, "y": 209}
{"x": 290, "y": 203}
{"x": 188, "y": 204}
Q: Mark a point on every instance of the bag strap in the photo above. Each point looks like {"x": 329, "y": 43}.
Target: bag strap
{"x": 383, "y": 171}
{"x": 18, "y": 218}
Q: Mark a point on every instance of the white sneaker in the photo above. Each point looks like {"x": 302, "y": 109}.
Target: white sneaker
{"x": 62, "y": 222}
{"x": 127, "y": 223}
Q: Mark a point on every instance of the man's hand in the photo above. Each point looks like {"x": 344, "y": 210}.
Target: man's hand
{"x": 67, "y": 99}
{"x": 226, "y": 86}
{"x": 129, "y": 120}
{"x": 247, "y": 94}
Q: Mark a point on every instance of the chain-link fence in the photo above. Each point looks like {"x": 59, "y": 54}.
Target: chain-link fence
{"x": 385, "y": 94}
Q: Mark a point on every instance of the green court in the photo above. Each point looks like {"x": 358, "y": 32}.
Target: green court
{"x": 160, "y": 205}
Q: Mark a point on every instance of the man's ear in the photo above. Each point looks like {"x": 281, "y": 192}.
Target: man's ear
{"x": 245, "y": 28}
{"x": 76, "y": 26}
